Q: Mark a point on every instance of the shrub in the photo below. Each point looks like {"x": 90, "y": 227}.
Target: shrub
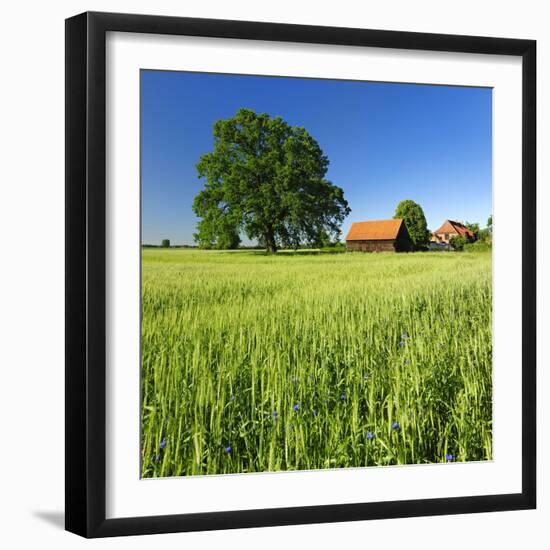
{"x": 458, "y": 242}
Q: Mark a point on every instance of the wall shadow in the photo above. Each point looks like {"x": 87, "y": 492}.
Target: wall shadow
{"x": 55, "y": 518}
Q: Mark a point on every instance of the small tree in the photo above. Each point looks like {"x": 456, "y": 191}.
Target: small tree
{"x": 415, "y": 220}
{"x": 220, "y": 234}
{"x": 474, "y": 228}
{"x": 486, "y": 234}
{"x": 165, "y": 243}
{"x": 458, "y": 242}
{"x": 490, "y": 229}
{"x": 229, "y": 240}
{"x": 323, "y": 240}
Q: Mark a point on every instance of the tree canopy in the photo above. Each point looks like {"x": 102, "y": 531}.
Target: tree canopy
{"x": 415, "y": 220}
{"x": 474, "y": 228}
{"x": 266, "y": 179}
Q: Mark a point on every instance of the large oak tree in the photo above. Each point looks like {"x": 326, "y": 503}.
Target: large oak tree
{"x": 267, "y": 179}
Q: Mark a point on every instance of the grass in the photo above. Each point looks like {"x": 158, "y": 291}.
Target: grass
{"x": 257, "y": 363}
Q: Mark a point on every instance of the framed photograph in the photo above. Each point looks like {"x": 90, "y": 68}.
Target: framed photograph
{"x": 300, "y": 274}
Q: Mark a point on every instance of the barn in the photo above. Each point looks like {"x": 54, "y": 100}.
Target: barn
{"x": 379, "y": 236}
{"x": 451, "y": 229}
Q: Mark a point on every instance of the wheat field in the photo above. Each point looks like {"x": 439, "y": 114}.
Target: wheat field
{"x": 254, "y": 362}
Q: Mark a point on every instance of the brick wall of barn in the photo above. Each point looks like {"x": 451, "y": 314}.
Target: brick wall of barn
{"x": 371, "y": 246}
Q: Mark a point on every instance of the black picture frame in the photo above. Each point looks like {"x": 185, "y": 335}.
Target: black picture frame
{"x": 86, "y": 275}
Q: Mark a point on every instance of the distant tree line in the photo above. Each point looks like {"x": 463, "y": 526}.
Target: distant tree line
{"x": 165, "y": 243}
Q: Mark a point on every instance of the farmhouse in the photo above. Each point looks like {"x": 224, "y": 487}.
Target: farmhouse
{"x": 379, "y": 236}
{"x": 451, "y": 229}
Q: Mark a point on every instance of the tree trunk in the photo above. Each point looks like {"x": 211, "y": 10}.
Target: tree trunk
{"x": 270, "y": 244}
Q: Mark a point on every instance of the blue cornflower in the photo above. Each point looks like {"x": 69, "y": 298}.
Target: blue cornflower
{"x": 314, "y": 412}
{"x": 449, "y": 457}
{"x": 296, "y": 407}
{"x": 395, "y": 426}
{"x": 274, "y": 414}
{"x": 370, "y": 435}
{"x": 404, "y": 335}
{"x": 162, "y": 444}
{"x": 227, "y": 450}
{"x": 402, "y": 343}
{"x": 342, "y": 397}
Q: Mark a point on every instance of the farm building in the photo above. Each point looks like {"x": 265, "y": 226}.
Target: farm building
{"x": 451, "y": 229}
{"x": 379, "y": 236}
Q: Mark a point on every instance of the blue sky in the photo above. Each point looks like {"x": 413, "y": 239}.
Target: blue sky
{"x": 386, "y": 142}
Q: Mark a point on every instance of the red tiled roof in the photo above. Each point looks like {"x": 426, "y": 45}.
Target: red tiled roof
{"x": 380, "y": 230}
{"x": 450, "y": 226}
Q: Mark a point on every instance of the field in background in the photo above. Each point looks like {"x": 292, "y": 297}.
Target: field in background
{"x": 288, "y": 362}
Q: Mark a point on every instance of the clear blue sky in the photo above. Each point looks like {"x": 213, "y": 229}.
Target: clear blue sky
{"x": 386, "y": 142}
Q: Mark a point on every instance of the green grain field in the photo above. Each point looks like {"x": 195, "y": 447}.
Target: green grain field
{"x": 254, "y": 362}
